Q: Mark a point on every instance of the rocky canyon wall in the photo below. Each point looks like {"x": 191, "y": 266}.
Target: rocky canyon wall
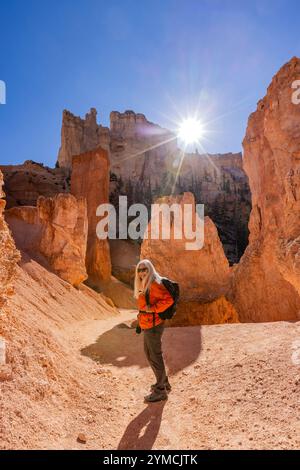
{"x": 266, "y": 282}
{"x": 217, "y": 181}
{"x": 145, "y": 163}
{"x": 54, "y": 233}
{"x": 220, "y": 183}
{"x": 141, "y": 160}
{"x": 90, "y": 180}
{"x": 9, "y": 255}
{"x": 203, "y": 274}
{"x": 79, "y": 136}
{"x": 23, "y": 184}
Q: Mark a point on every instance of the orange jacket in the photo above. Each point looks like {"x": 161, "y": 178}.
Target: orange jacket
{"x": 160, "y": 299}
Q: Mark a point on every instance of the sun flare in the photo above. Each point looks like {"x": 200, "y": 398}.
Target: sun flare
{"x": 190, "y": 131}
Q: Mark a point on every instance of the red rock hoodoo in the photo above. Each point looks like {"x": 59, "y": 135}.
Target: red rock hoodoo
{"x": 54, "y": 233}
{"x": 90, "y": 180}
{"x": 266, "y": 282}
{"x": 203, "y": 274}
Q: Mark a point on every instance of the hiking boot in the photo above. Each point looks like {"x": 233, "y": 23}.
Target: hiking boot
{"x": 167, "y": 386}
{"x": 158, "y": 395}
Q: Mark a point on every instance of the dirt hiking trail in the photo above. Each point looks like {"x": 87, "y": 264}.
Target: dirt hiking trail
{"x": 77, "y": 367}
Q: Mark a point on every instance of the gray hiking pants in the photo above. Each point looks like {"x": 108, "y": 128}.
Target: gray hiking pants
{"x": 153, "y": 351}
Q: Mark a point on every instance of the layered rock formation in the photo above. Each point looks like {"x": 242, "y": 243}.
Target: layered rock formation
{"x": 265, "y": 285}
{"x": 145, "y": 163}
{"x": 79, "y": 136}
{"x": 203, "y": 274}
{"x": 134, "y": 126}
{"x": 90, "y": 180}
{"x": 219, "y": 182}
{"x": 9, "y": 255}
{"x": 54, "y": 233}
{"x": 215, "y": 312}
{"x": 23, "y": 184}
{"x": 138, "y": 149}
{"x": 125, "y": 255}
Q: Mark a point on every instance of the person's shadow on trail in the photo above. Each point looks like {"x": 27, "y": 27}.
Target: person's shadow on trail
{"x": 121, "y": 347}
{"x": 148, "y": 420}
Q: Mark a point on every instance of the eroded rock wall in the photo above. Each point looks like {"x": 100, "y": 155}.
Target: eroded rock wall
{"x": 79, "y": 136}
{"x": 90, "y": 180}
{"x": 266, "y": 282}
{"x": 23, "y": 184}
{"x": 9, "y": 255}
{"x": 55, "y": 233}
{"x": 203, "y": 274}
{"x": 146, "y": 163}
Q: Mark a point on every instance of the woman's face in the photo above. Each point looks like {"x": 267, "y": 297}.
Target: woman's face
{"x": 142, "y": 271}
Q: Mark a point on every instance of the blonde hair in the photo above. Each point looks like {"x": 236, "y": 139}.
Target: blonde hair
{"x": 140, "y": 287}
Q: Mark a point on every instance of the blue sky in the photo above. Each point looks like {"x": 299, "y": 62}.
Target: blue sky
{"x": 164, "y": 58}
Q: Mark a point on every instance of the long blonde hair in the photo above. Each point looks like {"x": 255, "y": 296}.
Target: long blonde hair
{"x": 140, "y": 287}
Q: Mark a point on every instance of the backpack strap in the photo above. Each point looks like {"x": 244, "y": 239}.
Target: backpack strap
{"x": 147, "y": 297}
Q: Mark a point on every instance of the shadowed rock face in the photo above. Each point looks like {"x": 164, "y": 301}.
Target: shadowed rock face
{"x": 90, "y": 180}
{"x": 25, "y": 183}
{"x": 220, "y": 183}
{"x": 9, "y": 255}
{"x": 54, "y": 233}
{"x": 203, "y": 274}
{"x": 125, "y": 255}
{"x": 79, "y": 136}
{"x": 145, "y": 163}
{"x": 266, "y": 283}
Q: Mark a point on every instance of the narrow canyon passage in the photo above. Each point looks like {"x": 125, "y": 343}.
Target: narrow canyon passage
{"x": 233, "y": 386}
{"x": 150, "y": 168}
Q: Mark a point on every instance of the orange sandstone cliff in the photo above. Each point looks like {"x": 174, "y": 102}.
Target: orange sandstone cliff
{"x": 9, "y": 255}
{"x": 266, "y": 282}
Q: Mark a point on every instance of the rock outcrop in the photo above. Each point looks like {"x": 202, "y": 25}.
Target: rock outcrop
{"x": 203, "y": 274}
{"x": 54, "y": 233}
{"x": 134, "y": 126}
{"x": 9, "y": 255}
{"x": 79, "y": 136}
{"x": 145, "y": 163}
{"x": 218, "y": 181}
{"x": 90, "y": 180}
{"x": 215, "y": 312}
{"x": 266, "y": 282}
{"x": 118, "y": 292}
{"x": 125, "y": 255}
{"x": 138, "y": 149}
{"x": 23, "y": 184}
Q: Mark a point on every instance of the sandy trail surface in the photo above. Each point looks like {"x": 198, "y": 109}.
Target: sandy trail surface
{"x": 77, "y": 366}
{"x": 233, "y": 386}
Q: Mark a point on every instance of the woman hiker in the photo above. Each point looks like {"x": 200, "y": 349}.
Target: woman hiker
{"x": 148, "y": 287}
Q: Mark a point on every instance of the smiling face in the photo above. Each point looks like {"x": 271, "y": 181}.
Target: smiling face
{"x": 143, "y": 272}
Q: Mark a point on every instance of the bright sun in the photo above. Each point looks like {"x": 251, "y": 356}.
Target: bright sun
{"x": 190, "y": 131}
